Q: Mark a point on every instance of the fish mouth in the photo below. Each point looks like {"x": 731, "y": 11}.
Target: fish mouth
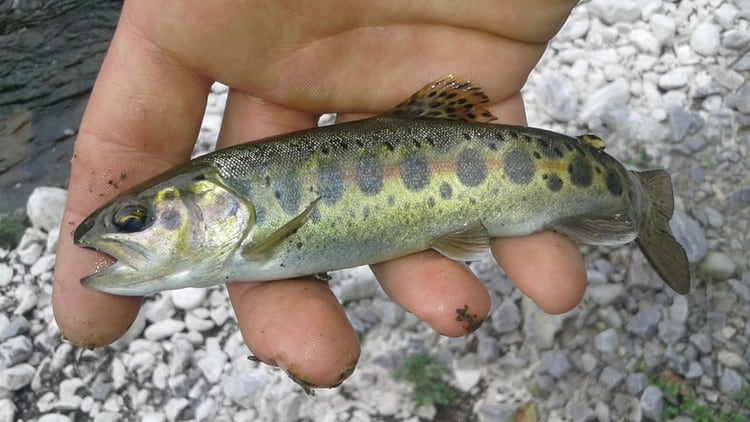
{"x": 115, "y": 272}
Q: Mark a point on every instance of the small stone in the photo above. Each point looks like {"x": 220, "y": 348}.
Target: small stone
{"x": 69, "y": 398}
{"x": 742, "y": 289}
{"x": 42, "y": 265}
{"x": 174, "y": 406}
{"x": 192, "y": 322}
{"x": 736, "y": 39}
{"x": 670, "y": 332}
{"x": 605, "y": 294}
{"x": 488, "y": 349}
{"x": 725, "y": 15}
{"x": 557, "y": 96}
{"x": 29, "y": 254}
{"x": 578, "y": 411}
{"x": 614, "y": 11}
{"x": 18, "y": 325}
{"x": 636, "y": 383}
{"x": 54, "y": 417}
{"x": 674, "y": 79}
{"x": 690, "y": 235}
{"x": 507, "y": 317}
{"x": 212, "y": 365}
{"x": 694, "y": 371}
{"x": 6, "y": 274}
{"x": 245, "y": 388}
{"x": 652, "y": 402}
{"x": 731, "y": 359}
{"x": 606, "y": 341}
{"x": 467, "y": 372}
{"x": 15, "y": 350}
{"x": 718, "y": 265}
{"x": 679, "y": 311}
{"x": 188, "y": 298}
{"x": 645, "y": 42}
{"x": 206, "y": 410}
{"x": 588, "y": 362}
{"x": 644, "y": 323}
{"x": 163, "y": 329}
{"x": 663, "y": 28}
{"x": 16, "y": 377}
{"x": 556, "y": 363}
{"x": 27, "y": 298}
{"x": 615, "y": 93}
{"x": 45, "y": 207}
{"x": 730, "y": 382}
{"x": 702, "y": 342}
{"x": 611, "y": 377}
{"x": 742, "y": 101}
{"x": 714, "y": 217}
{"x": 705, "y": 39}
{"x": 7, "y": 410}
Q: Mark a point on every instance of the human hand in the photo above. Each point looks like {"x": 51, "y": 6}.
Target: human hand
{"x": 286, "y": 62}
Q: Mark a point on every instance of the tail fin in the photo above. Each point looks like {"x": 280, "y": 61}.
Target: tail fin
{"x": 654, "y": 236}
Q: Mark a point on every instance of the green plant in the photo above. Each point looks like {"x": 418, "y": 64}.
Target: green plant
{"x": 427, "y": 375}
{"x": 678, "y": 403}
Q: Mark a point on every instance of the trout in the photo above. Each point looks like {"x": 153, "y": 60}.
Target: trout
{"x": 432, "y": 173}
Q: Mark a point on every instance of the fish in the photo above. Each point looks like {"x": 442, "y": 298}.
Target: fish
{"x": 431, "y": 173}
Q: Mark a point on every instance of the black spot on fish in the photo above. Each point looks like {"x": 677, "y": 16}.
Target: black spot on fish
{"x": 170, "y": 220}
{"x": 325, "y": 150}
{"x": 537, "y": 155}
{"x": 614, "y": 183}
{"x": 416, "y": 143}
{"x": 268, "y": 181}
{"x": 446, "y": 191}
{"x": 549, "y": 148}
{"x": 598, "y": 170}
{"x": 390, "y": 146}
{"x": 431, "y": 202}
{"x": 519, "y": 167}
{"x": 554, "y": 183}
{"x": 472, "y": 201}
{"x": 365, "y": 212}
{"x": 369, "y": 176}
{"x": 580, "y": 172}
{"x": 415, "y": 171}
{"x": 331, "y": 185}
{"x": 288, "y": 193}
{"x": 430, "y": 141}
{"x": 299, "y": 245}
{"x": 471, "y": 168}
{"x": 391, "y": 201}
{"x": 466, "y": 136}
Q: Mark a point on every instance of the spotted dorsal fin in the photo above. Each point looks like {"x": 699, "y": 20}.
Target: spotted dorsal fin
{"x": 450, "y": 98}
{"x": 592, "y": 141}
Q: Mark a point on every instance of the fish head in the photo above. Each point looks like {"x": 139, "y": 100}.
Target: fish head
{"x": 170, "y": 234}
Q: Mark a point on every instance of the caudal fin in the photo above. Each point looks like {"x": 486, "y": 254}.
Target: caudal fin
{"x": 655, "y": 239}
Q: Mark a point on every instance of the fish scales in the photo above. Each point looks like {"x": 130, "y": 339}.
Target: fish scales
{"x": 430, "y": 174}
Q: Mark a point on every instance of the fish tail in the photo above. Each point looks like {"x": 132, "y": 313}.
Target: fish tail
{"x": 655, "y": 238}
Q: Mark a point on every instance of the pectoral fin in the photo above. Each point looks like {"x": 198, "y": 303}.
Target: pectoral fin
{"x": 264, "y": 247}
{"x": 466, "y": 244}
{"x": 604, "y": 228}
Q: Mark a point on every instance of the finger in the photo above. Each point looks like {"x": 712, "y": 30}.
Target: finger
{"x": 130, "y": 131}
{"x": 443, "y": 293}
{"x": 296, "y": 324}
{"x": 546, "y": 267}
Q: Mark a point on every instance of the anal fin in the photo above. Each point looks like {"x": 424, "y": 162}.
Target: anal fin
{"x": 601, "y": 228}
{"x": 466, "y": 244}
{"x": 265, "y": 247}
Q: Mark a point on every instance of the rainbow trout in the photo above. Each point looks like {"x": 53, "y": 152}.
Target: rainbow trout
{"x": 429, "y": 174}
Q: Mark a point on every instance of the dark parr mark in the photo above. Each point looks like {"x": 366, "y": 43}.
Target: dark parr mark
{"x": 550, "y": 149}
{"x": 446, "y": 191}
{"x": 415, "y": 171}
{"x": 331, "y": 186}
{"x": 431, "y": 202}
{"x": 288, "y": 193}
{"x": 471, "y": 168}
{"x": 614, "y": 183}
{"x": 554, "y": 183}
{"x": 580, "y": 171}
{"x": 369, "y": 176}
{"x": 519, "y": 167}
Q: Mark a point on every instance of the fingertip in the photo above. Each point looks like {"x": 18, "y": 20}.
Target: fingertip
{"x": 86, "y": 317}
{"x": 443, "y": 293}
{"x": 546, "y": 267}
{"x": 298, "y": 325}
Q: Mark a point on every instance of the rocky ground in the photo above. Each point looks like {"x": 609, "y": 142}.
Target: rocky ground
{"x": 665, "y": 84}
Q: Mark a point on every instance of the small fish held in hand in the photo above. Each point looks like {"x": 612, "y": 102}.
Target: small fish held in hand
{"x": 430, "y": 174}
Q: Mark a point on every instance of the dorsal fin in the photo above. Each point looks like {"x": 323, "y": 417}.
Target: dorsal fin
{"x": 592, "y": 141}
{"x": 451, "y": 98}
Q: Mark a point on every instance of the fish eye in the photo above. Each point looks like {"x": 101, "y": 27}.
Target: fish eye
{"x": 131, "y": 218}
